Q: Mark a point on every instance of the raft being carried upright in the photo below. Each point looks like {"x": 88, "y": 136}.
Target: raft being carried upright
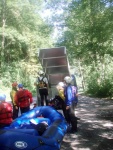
{"x": 55, "y": 64}
{"x": 21, "y": 134}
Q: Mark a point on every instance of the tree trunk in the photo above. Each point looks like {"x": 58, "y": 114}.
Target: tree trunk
{"x": 3, "y": 36}
{"x": 82, "y": 76}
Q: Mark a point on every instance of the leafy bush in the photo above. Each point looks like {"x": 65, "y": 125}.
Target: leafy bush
{"x": 98, "y": 86}
{"x": 19, "y": 73}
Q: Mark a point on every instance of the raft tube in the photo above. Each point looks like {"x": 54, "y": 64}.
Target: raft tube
{"x": 21, "y": 134}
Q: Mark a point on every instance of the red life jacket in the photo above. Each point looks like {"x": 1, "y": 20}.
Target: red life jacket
{"x": 22, "y": 95}
{"x": 5, "y": 113}
{"x": 23, "y": 98}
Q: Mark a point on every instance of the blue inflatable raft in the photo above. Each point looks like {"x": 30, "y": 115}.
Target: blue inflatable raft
{"x": 21, "y": 135}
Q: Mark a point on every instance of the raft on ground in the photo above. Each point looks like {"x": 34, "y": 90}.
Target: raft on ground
{"x": 21, "y": 134}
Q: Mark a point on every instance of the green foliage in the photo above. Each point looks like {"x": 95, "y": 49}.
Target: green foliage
{"x": 22, "y": 30}
{"x": 87, "y": 35}
{"x": 85, "y": 28}
{"x": 20, "y": 73}
{"x": 103, "y": 89}
{"x": 22, "y": 33}
{"x": 99, "y": 84}
{"x": 87, "y": 31}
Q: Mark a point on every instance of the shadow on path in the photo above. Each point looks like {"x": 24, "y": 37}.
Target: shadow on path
{"x": 95, "y": 127}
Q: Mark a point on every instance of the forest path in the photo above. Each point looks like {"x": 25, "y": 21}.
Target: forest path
{"x": 95, "y": 127}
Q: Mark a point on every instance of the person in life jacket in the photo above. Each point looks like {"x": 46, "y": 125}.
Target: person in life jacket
{"x": 60, "y": 88}
{"x": 12, "y": 95}
{"x": 23, "y": 99}
{"x": 42, "y": 87}
{"x": 70, "y": 101}
{"x": 6, "y": 112}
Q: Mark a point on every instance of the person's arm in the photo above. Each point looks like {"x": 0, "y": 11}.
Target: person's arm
{"x": 16, "y": 100}
{"x": 12, "y": 95}
{"x": 69, "y": 97}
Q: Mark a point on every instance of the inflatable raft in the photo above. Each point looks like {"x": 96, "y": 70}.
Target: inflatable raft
{"x": 21, "y": 134}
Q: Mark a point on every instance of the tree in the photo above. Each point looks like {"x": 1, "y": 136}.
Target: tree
{"x": 86, "y": 31}
{"x": 22, "y": 32}
{"x": 87, "y": 34}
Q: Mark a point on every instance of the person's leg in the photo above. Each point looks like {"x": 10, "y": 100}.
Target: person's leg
{"x": 15, "y": 112}
{"x": 64, "y": 108}
{"x": 24, "y": 109}
{"x": 67, "y": 116}
{"x": 42, "y": 99}
{"x": 37, "y": 92}
{"x": 73, "y": 119}
{"x": 74, "y": 105}
{"x": 46, "y": 101}
{"x": 45, "y": 92}
{"x": 74, "y": 123}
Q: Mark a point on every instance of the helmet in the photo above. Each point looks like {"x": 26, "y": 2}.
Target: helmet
{"x": 61, "y": 84}
{"x": 20, "y": 85}
{"x": 14, "y": 84}
{"x": 40, "y": 72}
{"x": 68, "y": 79}
{"x": 2, "y": 97}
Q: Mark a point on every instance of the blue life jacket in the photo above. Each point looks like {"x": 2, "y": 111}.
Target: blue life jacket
{"x": 70, "y": 95}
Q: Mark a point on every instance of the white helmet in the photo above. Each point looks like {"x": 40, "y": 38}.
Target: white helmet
{"x": 61, "y": 84}
{"x": 40, "y": 72}
{"x": 68, "y": 79}
{"x": 2, "y": 97}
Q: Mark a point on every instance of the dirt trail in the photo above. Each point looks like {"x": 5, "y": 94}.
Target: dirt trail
{"x": 95, "y": 127}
